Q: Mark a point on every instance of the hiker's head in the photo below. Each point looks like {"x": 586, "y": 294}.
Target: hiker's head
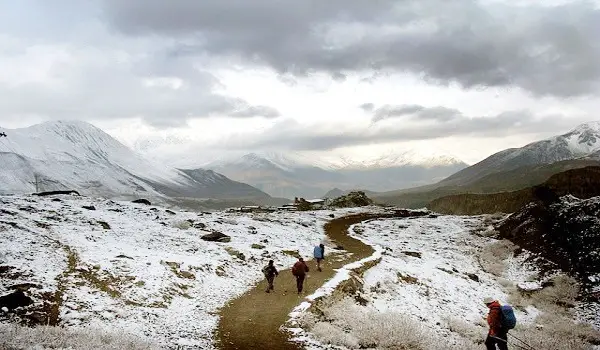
{"x": 270, "y": 262}
{"x": 300, "y": 258}
{"x": 322, "y": 245}
{"x": 488, "y": 300}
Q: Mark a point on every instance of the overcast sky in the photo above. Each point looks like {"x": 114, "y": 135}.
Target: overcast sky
{"x": 352, "y": 77}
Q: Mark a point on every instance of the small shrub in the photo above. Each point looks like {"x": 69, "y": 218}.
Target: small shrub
{"x": 563, "y": 292}
{"x": 344, "y": 323}
{"x": 181, "y": 224}
{"x": 470, "y": 332}
{"x": 493, "y": 255}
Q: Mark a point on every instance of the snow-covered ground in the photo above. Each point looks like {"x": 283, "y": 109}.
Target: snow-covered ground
{"x": 428, "y": 271}
{"x": 149, "y": 274}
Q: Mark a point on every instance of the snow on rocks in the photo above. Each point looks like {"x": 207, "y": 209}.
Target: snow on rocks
{"x": 149, "y": 274}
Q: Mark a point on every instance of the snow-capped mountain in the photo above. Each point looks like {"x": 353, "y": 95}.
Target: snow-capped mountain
{"x": 396, "y": 158}
{"x": 581, "y": 142}
{"x": 298, "y": 175}
{"x": 77, "y": 155}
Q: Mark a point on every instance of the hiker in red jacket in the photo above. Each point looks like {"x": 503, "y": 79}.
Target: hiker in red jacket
{"x": 299, "y": 271}
{"x": 497, "y": 334}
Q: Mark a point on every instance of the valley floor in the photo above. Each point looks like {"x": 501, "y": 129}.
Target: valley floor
{"x": 145, "y": 271}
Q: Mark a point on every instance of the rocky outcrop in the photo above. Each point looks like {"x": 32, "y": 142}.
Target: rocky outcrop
{"x": 352, "y": 199}
{"x": 566, "y": 232}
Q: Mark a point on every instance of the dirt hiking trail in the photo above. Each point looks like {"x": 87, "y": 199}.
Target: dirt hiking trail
{"x": 252, "y": 321}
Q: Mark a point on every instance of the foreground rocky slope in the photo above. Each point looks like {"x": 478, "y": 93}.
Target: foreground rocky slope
{"x": 564, "y": 231}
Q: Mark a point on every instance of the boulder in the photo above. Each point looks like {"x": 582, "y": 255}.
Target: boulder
{"x": 14, "y": 300}
{"x": 104, "y": 225}
{"x": 199, "y": 225}
{"x": 142, "y": 201}
{"x": 473, "y": 276}
{"x": 413, "y": 254}
{"x": 216, "y": 237}
{"x": 89, "y": 207}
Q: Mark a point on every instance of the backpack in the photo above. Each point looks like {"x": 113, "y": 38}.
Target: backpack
{"x": 509, "y": 321}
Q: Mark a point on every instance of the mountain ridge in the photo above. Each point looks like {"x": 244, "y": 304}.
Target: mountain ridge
{"x": 511, "y": 169}
{"x": 298, "y": 176}
{"x": 77, "y": 155}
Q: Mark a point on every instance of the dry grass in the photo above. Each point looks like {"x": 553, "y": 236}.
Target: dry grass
{"x": 14, "y": 337}
{"x": 493, "y": 255}
{"x": 557, "y": 297}
{"x": 344, "y": 323}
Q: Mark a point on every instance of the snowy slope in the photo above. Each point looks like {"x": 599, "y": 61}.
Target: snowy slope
{"x": 582, "y": 141}
{"x": 77, "y": 155}
{"x": 149, "y": 274}
{"x": 429, "y": 273}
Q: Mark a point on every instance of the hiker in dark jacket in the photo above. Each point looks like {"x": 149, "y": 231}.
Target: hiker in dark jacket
{"x": 319, "y": 254}
{"x": 270, "y": 272}
{"x": 299, "y": 271}
{"x": 497, "y": 334}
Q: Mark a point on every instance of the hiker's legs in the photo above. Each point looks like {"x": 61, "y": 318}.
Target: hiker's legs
{"x": 319, "y": 264}
{"x": 502, "y": 344}
{"x": 490, "y": 343}
{"x": 270, "y": 284}
{"x": 299, "y": 283}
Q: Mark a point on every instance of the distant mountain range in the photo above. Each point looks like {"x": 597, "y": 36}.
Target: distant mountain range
{"x": 511, "y": 169}
{"x": 293, "y": 175}
{"x": 77, "y": 155}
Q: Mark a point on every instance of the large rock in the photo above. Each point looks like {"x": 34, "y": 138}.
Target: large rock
{"x": 14, "y": 300}
{"x": 216, "y": 237}
{"x": 142, "y": 201}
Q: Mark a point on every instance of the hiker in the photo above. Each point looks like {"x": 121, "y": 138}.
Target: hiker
{"x": 299, "y": 271}
{"x": 270, "y": 272}
{"x": 319, "y": 254}
{"x": 497, "y": 334}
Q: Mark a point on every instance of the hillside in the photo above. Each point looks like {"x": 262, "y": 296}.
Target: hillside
{"x": 582, "y": 183}
{"x": 510, "y": 170}
{"x": 77, "y": 155}
{"x": 565, "y": 231}
{"x": 580, "y": 142}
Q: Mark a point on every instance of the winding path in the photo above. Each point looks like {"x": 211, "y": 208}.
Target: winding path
{"x": 252, "y": 321}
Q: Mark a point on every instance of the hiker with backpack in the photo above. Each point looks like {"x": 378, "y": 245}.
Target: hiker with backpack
{"x": 319, "y": 254}
{"x": 299, "y": 271}
{"x": 501, "y": 319}
{"x": 270, "y": 272}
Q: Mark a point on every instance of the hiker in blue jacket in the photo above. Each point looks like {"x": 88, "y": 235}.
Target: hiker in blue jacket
{"x": 319, "y": 254}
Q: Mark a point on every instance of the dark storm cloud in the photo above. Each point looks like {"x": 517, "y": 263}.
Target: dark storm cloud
{"x": 288, "y": 134}
{"x": 543, "y": 49}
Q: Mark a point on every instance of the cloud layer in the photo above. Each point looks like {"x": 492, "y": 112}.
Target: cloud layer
{"x": 425, "y": 123}
{"x": 546, "y": 50}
